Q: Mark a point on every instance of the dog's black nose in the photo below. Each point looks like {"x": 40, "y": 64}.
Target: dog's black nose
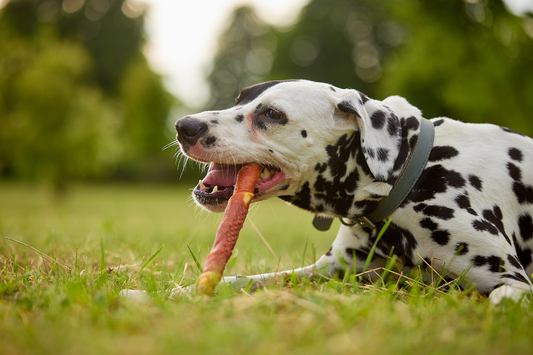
{"x": 190, "y": 130}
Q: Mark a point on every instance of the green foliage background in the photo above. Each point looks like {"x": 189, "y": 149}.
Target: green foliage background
{"x": 78, "y": 99}
{"x": 469, "y": 60}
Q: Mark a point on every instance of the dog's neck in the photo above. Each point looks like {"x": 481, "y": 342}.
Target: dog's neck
{"x": 343, "y": 185}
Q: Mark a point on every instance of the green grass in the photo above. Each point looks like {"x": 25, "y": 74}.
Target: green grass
{"x": 111, "y": 237}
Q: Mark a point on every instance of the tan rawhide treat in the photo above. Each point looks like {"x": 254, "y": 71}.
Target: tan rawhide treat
{"x": 230, "y": 226}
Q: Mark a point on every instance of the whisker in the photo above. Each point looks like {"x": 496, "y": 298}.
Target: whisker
{"x": 171, "y": 144}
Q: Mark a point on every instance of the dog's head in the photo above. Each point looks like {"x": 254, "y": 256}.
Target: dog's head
{"x": 323, "y": 148}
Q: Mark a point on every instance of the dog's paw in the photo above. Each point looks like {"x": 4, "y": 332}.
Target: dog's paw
{"x": 179, "y": 291}
{"x": 134, "y": 295}
{"x": 512, "y": 292}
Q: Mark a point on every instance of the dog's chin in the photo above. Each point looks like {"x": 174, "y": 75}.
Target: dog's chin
{"x": 214, "y": 191}
{"x": 210, "y": 203}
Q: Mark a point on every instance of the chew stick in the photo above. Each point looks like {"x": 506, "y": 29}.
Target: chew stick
{"x": 230, "y": 226}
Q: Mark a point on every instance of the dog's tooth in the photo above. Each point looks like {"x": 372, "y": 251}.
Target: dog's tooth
{"x": 202, "y": 186}
{"x": 265, "y": 173}
{"x": 215, "y": 189}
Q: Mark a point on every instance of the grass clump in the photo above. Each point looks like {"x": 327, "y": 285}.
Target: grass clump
{"x": 63, "y": 298}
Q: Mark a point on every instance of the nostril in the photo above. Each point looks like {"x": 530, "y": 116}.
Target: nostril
{"x": 190, "y": 130}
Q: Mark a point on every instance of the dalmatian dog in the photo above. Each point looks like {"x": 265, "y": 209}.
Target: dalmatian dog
{"x": 337, "y": 153}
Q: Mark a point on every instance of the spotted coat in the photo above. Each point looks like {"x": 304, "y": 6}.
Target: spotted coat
{"x": 337, "y": 153}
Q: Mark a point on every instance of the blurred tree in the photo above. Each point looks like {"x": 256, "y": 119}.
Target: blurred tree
{"x": 111, "y": 30}
{"x": 469, "y": 60}
{"x": 466, "y": 59}
{"x": 244, "y": 57}
{"x": 52, "y": 124}
{"x": 77, "y": 98}
{"x": 342, "y": 42}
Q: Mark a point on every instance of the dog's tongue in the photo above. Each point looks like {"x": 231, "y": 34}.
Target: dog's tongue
{"x": 221, "y": 175}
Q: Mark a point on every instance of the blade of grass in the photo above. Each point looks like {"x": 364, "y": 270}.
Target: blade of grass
{"x": 147, "y": 262}
{"x": 305, "y": 250}
{"x": 102, "y": 259}
{"x": 43, "y": 255}
{"x": 371, "y": 254}
{"x": 198, "y": 265}
{"x": 262, "y": 238}
{"x": 8, "y": 285}
{"x": 249, "y": 286}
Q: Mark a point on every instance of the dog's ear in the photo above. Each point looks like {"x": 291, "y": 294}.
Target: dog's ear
{"x": 379, "y": 128}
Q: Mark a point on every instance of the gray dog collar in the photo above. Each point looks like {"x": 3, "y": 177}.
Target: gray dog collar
{"x": 402, "y": 187}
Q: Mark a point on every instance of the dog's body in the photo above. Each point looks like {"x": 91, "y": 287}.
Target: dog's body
{"x": 337, "y": 153}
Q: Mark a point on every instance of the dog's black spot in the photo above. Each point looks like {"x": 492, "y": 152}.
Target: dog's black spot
{"x": 479, "y": 261}
{"x": 328, "y": 253}
{"x": 296, "y": 201}
{"x": 303, "y": 132}
{"x": 366, "y": 206}
{"x": 403, "y": 241}
{"x": 369, "y": 152}
{"x": 437, "y": 123}
{"x": 508, "y": 130}
{"x": 209, "y": 141}
{"x": 284, "y": 187}
{"x": 428, "y": 223}
{"x": 258, "y": 109}
{"x": 393, "y": 125}
{"x": 364, "y": 98}
{"x": 442, "y": 153}
{"x": 524, "y": 255}
{"x": 260, "y": 124}
{"x": 411, "y": 124}
{"x": 271, "y": 151}
{"x": 406, "y": 125}
{"x": 378, "y": 119}
{"x": 383, "y": 154}
{"x": 433, "y": 180}
{"x": 516, "y": 154}
{"x": 321, "y": 168}
{"x": 419, "y": 207}
{"x": 517, "y": 276}
{"x": 441, "y": 237}
{"x": 412, "y": 141}
{"x": 513, "y": 260}
{"x": 304, "y": 194}
{"x": 332, "y": 89}
{"x": 347, "y": 107}
{"x": 464, "y": 202}
{"x": 440, "y": 212}
{"x": 239, "y": 118}
{"x": 252, "y": 92}
{"x": 461, "y": 248}
{"x": 475, "y": 182}
{"x": 485, "y": 226}
{"x": 215, "y": 122}
{"x": 495, "y": 263}
{"x": 523, "y": 193}
{"x": 492, "y": 223}
{"x": 359, "y": 254}
{"x": 514, "y": 172}
{"x": 525, "y": 225}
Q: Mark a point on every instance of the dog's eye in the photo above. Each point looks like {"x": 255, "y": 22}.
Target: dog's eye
{"x": 275, "y": 115}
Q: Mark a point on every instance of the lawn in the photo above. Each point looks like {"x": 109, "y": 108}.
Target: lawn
{"x": 106, "y": 238}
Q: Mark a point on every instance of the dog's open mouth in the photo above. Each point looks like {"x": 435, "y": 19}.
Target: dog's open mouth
{"x": 217, "y": 186}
